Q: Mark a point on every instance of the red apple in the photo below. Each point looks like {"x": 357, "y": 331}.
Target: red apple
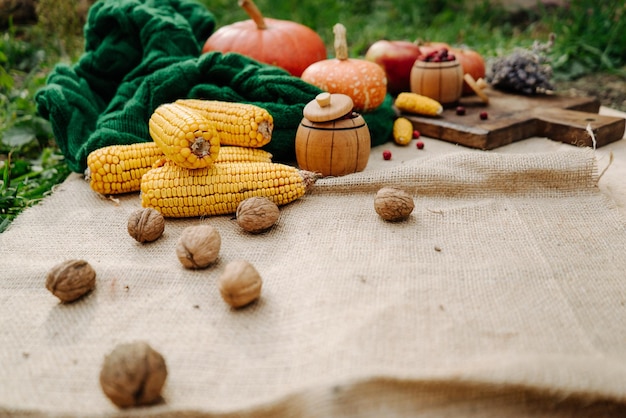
{"x": 472, "y": 63}
{"x": 397, "y": 59}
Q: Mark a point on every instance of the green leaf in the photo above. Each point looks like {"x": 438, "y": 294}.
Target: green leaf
{"x": 17, "y": 137}
{"x": 560, "y": 60}
{"x": 6, "y": 81}
{"x": 606, "y": 61}
{"x": 4, "y": 223}
{"x": 6, "y": 173}
{"x": 20, "y": 168}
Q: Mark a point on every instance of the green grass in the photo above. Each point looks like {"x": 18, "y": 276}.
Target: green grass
{"x": 30, "y": 162}
{"x": 588, "y": 39}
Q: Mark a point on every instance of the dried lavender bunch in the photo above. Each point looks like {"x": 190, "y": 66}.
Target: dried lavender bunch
{"x": 525, "y": 71}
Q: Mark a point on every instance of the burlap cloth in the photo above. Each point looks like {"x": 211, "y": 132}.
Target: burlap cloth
{"x": 503, "y": 295}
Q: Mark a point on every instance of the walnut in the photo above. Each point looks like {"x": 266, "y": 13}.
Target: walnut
{"x": 133, "y": 374}
{"x": 393, "y": 204}
{"x": 240, "y": 283}
{"x": 71, "y": 280}
{"x": 146, "y": 225}
{"x": 257, "y": 214}
{"x": 198, "y": 246}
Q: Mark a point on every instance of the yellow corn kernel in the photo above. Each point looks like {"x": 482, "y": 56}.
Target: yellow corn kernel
{"x": 185, "y": 136}
{"x": 118, "y": 168}
{"x": 243, "y": 154}
{"x": 230, "y": 154}
{"x": 402, "y": 131}
{"x": 240, "y": 124}
{"x": 416, "y": 103}
{"x": 179, "y": 192}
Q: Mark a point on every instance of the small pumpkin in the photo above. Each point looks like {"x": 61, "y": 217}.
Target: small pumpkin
{"x": 364, "y": 81}
{"x": 283, "y": 43}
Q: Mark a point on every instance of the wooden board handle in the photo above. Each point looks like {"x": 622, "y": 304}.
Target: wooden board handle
{"x": 572, "y": 127}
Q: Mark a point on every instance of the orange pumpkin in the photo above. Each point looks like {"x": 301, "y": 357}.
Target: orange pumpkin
{"x": 283, "y": 43}
{"x": 364, "y": 81}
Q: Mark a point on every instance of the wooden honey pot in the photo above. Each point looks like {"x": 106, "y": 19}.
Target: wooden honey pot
{"x": 442, "y": 81}
{"x": 331, "y": 139}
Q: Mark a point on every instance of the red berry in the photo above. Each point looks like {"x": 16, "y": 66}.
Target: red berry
{"x": 419, "y": 144}
{"x": 460, "y": 110}
{"x": 416, "y": 134}
{"x": 484, "y": 115}
{"x": 387, "y": 155}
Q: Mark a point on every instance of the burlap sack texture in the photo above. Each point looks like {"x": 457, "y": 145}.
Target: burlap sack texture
{"x": 502, "y": 295}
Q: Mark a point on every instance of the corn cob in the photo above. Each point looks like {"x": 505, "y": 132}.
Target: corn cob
{"x": 240, "y": 124}
{"x": 185, "y": 136}
{"x": 118, "y": 168}
{"x": 179, "y": 192}
{"x": 402, "y": 131}
{"x": 232, "y": 154}
{"x": 416, "y": 103}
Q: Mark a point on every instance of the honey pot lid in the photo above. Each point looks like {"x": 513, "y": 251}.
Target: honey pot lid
{"x": 327, "y": 107}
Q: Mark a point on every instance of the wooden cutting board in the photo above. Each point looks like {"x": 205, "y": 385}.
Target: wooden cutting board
{"x": 515, "y": 117}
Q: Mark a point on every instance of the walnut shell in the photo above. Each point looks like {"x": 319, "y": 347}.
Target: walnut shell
{"x": 198, "y": 246}
{"x": 146, "y": 225}
{"x": 257, "y": 214}
{"x": 393, "y": 204}
{"x": 71, "y": 279}
{"x": 240, "y": 283}
{"x": 133, "y": 374}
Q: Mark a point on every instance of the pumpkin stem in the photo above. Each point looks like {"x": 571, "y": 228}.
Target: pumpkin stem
{"x": 341, "y": 42}
{"x": 253, "y": 12}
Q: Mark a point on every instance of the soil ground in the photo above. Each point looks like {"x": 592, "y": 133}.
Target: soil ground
{"x": 609, "y": 89}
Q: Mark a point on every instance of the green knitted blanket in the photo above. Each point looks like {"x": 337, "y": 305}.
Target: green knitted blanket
{"x": 140, "y": 54}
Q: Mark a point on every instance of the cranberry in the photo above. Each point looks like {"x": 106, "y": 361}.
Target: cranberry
{"x": 484, "y": 115}
{"x": 419, "y": 144}
{"x": 416, "y": 134}
{"x": 460, "y": 110}
{"x": 387, "y": 154}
